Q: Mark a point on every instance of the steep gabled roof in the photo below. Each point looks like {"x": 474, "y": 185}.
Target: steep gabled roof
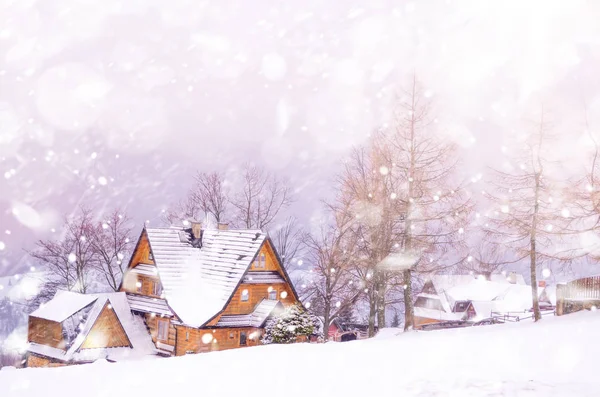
{"x": 199, "y": 281}
{"x": 139, "y": 339}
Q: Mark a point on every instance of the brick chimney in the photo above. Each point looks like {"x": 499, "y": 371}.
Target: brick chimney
{"x": 196, "y": 229}
{"x": 223, "y": 226}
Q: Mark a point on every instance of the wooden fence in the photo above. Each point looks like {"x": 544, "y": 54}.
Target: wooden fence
{"x": 576, "y": 295}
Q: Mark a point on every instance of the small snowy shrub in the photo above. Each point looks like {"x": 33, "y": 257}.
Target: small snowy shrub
{"x": 292, "y": 323}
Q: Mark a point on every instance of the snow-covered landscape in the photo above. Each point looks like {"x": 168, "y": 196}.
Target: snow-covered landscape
{"x": 555, "y": 358}
{"x": 250, "y": 198}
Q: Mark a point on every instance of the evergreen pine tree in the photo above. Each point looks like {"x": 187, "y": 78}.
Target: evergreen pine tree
{"x": 292, "y": 323}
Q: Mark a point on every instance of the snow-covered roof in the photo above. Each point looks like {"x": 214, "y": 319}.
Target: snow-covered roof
{"x": 134, "y": 327}
{"x": 437, "y": 314}
{"x": 255, "y": 319}
{"x": 145, "y": 269}
{"x": 478, "y": 290}
{"x": 198, "y": 282}
{"x": 263, "y": 278}
{"x": 147, "y": 304}
{"x": 63, "y": 305}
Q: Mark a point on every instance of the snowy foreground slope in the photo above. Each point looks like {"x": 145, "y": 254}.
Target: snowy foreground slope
{"x": 558, "y": 357}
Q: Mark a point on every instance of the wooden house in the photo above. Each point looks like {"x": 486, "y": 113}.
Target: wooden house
{"x": 75, "y": 328}
{"x": 206, "y": 290}
{"x": 470, "y": 298}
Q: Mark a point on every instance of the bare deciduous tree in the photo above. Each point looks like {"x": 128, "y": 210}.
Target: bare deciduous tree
{"x": 207, "y": 197}
{"x": 436, "y": 205}
{"x": 70, "y": 259}
{"x": 88, "y": 256}
{"x": 288, "y": 241}
{"x": 111, "y": 245}
{"x": 262, "y": 196}
{"x": 334, "y": 288}
{"x": 367, "y": 197}
{"x": 528, "y": 217}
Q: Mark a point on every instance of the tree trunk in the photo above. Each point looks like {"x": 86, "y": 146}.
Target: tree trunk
{"x": 381, "y": 300}
{"x": 372, "y": 310}
{"x": 408, "y": 303}
{"x": 532, "y": 255}
{"x": 326, "y": 323}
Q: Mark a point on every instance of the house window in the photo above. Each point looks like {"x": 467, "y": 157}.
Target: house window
{"x": 231, "y": 335}
{"x": 156, "y": 288}
{"x": 260, "y": 261}
{"x": 150, "y": 256}
{"x": 245, "y": 295}
{"x": 461, "y": 306}
{"x": 242, "y": 338}
{"x": 273, "y": 295}
{"x": 163, "y": 330}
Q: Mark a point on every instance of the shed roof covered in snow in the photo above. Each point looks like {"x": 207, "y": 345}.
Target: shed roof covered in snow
{"x": 199, "y": 280}
{"x": 140, "y": 342}
{"x": 64, "y": 305}
{"x": 255, "y": 319}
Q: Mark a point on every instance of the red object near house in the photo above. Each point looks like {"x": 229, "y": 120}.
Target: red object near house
{"x": 333, "y": 330}
{"x": 542, "y": 284}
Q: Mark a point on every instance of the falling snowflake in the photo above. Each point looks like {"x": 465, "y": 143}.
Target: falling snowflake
{"x": 393, "y": 196}
{"x": 72, "y": 257}
{"x": 383, "y": 170}
{"x": 546, "y": 273}
{"x": 565, "y": 213}
{"x": 102, "y": 181}
{"x": 2, "y": 245}
{"x": 207, "y": 338}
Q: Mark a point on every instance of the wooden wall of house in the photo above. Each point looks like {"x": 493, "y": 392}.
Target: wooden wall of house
{"x": 45, "y": 332}
{"x": 151, "y": 322}
{"x": 142, "y": 252}
{"x": 257, "y": 292}
{"x": 271, "y": 263}
{"x": 420, "y": 321}
{"x": 130, "y": 284}
{"x": 35, "y": 361}
{"x": 107, "y": 331}
{"x": 190, "y": 340}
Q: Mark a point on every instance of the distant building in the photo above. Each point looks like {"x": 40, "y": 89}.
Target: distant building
{"x": 456, "y": 298}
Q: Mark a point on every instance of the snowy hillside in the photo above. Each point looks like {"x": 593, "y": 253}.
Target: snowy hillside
{"x": 557, "y": 357}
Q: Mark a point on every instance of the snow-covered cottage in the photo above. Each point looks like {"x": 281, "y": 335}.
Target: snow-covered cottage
{"x": 75, "y": 328}
{"x": 472, "y": 298}
{"x": 203, "y": 290}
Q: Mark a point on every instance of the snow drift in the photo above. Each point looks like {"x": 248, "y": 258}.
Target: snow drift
{"x": 557, "y": 357}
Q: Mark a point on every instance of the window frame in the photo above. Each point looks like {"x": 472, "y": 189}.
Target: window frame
{"x": 243, "y": 338}
{"x": 274, "y": 293}
{"x": 261, "y": 261}
{"x": 158, "y": 330}
{"x": 247, "y": 295}
{"x": 156, "y": 288}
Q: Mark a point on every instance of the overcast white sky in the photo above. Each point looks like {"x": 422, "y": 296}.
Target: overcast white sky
{"x": 141, "y": 93}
